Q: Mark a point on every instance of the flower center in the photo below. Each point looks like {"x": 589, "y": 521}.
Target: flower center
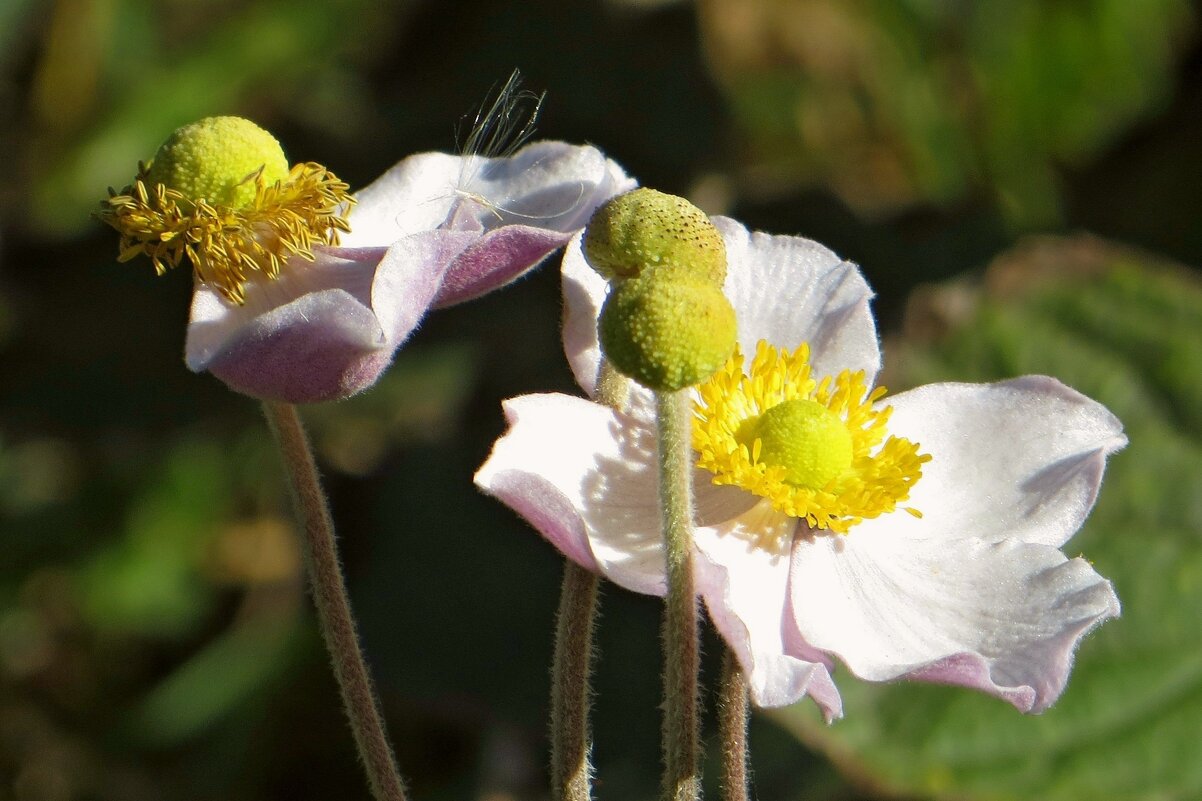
{"x": 220, "y": 192}
{"x": 817, "y": 450}
{"x": 219, "y": 160}
{"x": 804, "y": 437}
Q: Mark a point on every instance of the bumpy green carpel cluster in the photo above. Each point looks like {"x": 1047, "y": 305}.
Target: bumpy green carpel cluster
{"x": 666, "y": 322}
{"x": 219, "y": 193}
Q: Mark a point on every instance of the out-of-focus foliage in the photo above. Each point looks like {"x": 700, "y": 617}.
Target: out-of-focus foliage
{"x": 896, "y": 102}
{"x": 114, "y": 75}
{"x": 159, "y": 585}
{"x": 155, "y": 639}
{"x": 1126, "y": 330}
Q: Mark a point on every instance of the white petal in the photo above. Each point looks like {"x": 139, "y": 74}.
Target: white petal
{"x": 1018, "y": 459}
{"x": 784, "y": 289}
{"x": 1002, "y": 617}
{"x": 584, "y": 293}
{"x": 416, "y": 194}
{"x": 788, "y": 290}
{"x": 745, "y": 586}
{"x": 550, "y": 185}
{"x": 585, "y": 477}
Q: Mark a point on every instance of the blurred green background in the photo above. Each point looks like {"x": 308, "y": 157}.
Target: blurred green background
{"x": 155, "y": 638}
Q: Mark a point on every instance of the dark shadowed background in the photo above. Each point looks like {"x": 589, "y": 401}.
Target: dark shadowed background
{"x": 155, "y": 638}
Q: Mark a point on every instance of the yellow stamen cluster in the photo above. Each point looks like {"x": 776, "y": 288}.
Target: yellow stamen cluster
{"x": 229, "y": 246}
{"x": 881, "y": 471}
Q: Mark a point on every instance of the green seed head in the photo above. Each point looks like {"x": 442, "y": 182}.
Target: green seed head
{"x": 218, "y": 159}
{"x": 645, "y": 229}
{"x": 807, "y": 439}
{"x": 667, "y": 330}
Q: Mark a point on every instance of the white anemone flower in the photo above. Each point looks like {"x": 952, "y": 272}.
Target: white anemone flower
{"x": 929, "y": 551}
{"x": 304, "y": 292}
{"x": 434, "y": 231}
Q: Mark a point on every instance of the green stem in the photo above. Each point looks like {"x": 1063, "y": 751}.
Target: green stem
{"x": 732, "y": 729}
{"x": 333, "y": 606}
{"x": 682, "y": 771}
{"x": 571, "y": 737}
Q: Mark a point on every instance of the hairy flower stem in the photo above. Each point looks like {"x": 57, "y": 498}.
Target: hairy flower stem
{"x": 682, "y": 767}
{"x": 333, "y": 606}
{"x": 571, "y": 738}
{"x": 732, "y": 729}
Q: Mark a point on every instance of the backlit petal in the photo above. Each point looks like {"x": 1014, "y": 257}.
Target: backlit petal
{"x": 1003, "y": 617}
{"x": 585, "y": 477}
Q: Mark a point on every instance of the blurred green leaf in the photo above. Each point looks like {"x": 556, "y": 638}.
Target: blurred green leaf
{"x": 218, "y": 680}
{"x": 149, "y": 581}
{"x": 1127, "y": 331}
{"x": 272, "y": 44}
{"x": 891, "y": 103}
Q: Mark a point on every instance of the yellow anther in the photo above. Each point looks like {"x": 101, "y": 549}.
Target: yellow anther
{"x": 219, "y": 193}
{"x": 774, "y": 431}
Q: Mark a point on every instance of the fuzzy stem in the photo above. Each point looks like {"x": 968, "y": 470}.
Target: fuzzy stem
{"x": 333, "y": 606}
{"x": 571, "y": 738}
{"x": 682, "y": 770}
{"x": 732, "y": 729}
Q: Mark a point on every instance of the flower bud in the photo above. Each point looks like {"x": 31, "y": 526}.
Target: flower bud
{"x": 645, "y": 229}
{"x": 667, "y": 330}
{"x": 218, "y": 159}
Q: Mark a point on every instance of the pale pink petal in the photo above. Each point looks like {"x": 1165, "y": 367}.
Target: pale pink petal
{"x": 788, "y": 290}
{"x": 1019, "y": 459}
{"x": 324, "y": 330}
{"x": 410, "y": 276}
{"x": 743, "y": 574}
{"x": 307, "y": 350}
{"x": 497, "y": 258}
{"x": 1003, "y": 617}
{"x": 585, "y": 477}
{"x": 214, "y": 320}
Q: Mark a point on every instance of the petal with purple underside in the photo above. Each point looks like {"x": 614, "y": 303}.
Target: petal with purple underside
{"x": 1003, "y": 617}
{"x": 324, "y": 330}
{"x": 498, "y": 257}
{"x": 1019, "y": 459}
{"x": 214, "y": 321}
{"x": 409, "y": 278}
{"x": 308, "y": 350}
{"x": 575, "y": 469}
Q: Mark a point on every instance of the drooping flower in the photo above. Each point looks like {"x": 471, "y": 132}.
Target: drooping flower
{"x": 914, "y": 536}
{"x": 304, "y": 292}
